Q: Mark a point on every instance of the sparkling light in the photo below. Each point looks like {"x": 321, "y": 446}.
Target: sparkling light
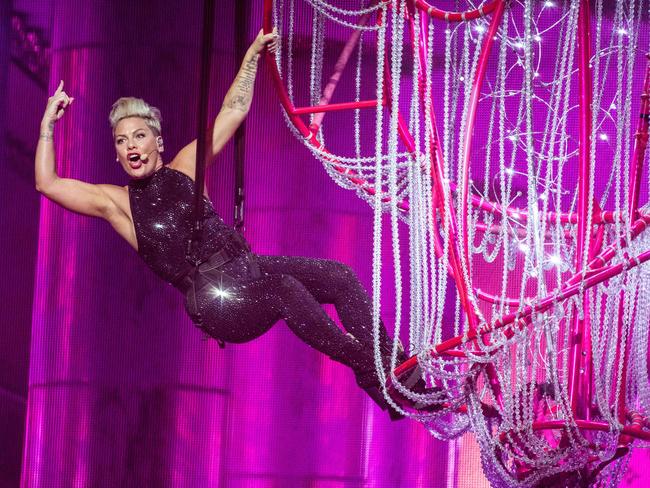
{"x": 622, "y": 32}
{"x": 549, "y": 4}
{"x": 480, "y": 28}
{"x": 555, "y": 259}
{"x": 523, "y": 247}
{"x": 602, "y": 136}
{"x": 218, "y": 292}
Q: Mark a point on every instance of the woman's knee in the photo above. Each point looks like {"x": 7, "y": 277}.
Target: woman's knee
{"x": 287, "y": 284}
{"x": 336, "y": 268}
{"x": 343, "y": 275}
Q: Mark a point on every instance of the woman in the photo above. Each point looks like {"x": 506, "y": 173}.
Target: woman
{"x": 233, "y": 295}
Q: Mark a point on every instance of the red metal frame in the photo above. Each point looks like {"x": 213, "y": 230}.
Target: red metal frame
{"x": 484, "y": 9}
{"x": 597, "y": 271}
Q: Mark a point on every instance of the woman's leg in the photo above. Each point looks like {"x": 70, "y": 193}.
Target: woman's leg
{"x": 336, "y": 283}
{"x": 245, "y": 312}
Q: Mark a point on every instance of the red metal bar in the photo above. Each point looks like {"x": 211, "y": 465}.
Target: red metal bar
{"x": 333, "y": 107}
{"x": 638, "y": 158}
{"x": 632, "y": 431}
{"x": 580, "y": 352}
{"x": 597, "y": 272}
{"x": 598, "y": 243}
{"x": 508, "y": 302}
{"x": 297, "y": 121}
{"x": 437, "y": 171}
{"x": 610, "y": 251}
{"x": 408, "y": 141}
{"x": 436, "y": 13}
{"x": 514, "y": 231}
{"x": 340, "y": 65}
{"x": 471, "y": 118}
{"x": 621, "y": 358}
{"x": 521, "y": 214}
{"x": 521, "y": 319}
{"x": 640, "y": 144}
{"x": 570, "y": 290}
{"x": 277, "y": 80}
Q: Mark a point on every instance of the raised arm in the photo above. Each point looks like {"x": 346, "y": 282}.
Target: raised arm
{"x": 75, "y": 195}
{"x": 234, "y": 109}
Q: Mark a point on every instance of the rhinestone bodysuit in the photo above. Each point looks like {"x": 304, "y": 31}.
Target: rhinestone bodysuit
{"x": 247, "y": 303}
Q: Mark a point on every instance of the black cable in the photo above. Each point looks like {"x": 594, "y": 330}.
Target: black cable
{"x": 202, "y": 128}
{"x": 241, "y": 20}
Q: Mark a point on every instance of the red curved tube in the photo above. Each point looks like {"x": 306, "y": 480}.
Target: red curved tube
{"x": 579, "y": 388}
{"x": 471, "y": 116}
{"x": 436, "y": 13}
{"x": 640, "y": 144}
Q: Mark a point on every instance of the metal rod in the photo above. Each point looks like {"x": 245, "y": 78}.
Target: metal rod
{"x": 241, "y": 20}
{"x": 339, "y": 67}
{"x": 436, "y": 13}
{"x": 580, "y": 355}
{"x": 523, "y": 318}
{"x": 640, "y": 144}
{"x": 332, "y": 107}
{"x": 471, "y": 119}
{"x": 202, "y": 124}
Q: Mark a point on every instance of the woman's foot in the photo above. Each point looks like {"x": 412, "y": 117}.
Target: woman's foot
{"x": 369, "y": 383}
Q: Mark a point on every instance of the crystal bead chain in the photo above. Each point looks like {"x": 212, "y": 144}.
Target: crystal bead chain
{"x": 396, "y": 70}
{"x": 329, "y": 13}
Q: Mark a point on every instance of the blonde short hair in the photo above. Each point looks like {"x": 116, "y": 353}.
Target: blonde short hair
{"x": 126, "y": 107}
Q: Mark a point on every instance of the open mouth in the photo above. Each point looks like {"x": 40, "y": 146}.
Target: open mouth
{"x": 134, "y": 160}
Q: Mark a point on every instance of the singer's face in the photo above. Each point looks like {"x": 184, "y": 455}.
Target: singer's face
{"x": 136, "y": 147}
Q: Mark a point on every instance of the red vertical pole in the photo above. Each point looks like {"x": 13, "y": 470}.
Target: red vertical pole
{"x": 580, "y": 355}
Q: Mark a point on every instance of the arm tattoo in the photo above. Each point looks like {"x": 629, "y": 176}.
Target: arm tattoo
{"x": 47, "y": 135}
{"x": 241, "y": 93}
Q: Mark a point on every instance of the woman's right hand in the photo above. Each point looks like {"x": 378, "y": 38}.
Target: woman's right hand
{"x": 56, "y": 106}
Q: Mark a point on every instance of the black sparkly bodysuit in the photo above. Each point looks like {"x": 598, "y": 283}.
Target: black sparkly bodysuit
{"x": 247, "y": 294}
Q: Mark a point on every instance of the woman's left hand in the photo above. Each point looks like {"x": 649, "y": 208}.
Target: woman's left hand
{"x": 268, "y": 41}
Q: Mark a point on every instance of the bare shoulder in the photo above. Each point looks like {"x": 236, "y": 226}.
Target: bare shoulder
{"x": 183, "y": 163}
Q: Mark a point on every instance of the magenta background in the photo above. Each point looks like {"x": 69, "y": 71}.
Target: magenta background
{"x": 122, "y": 390}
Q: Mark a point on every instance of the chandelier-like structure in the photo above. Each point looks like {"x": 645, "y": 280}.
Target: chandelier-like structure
{"x": 502, "y": 144}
